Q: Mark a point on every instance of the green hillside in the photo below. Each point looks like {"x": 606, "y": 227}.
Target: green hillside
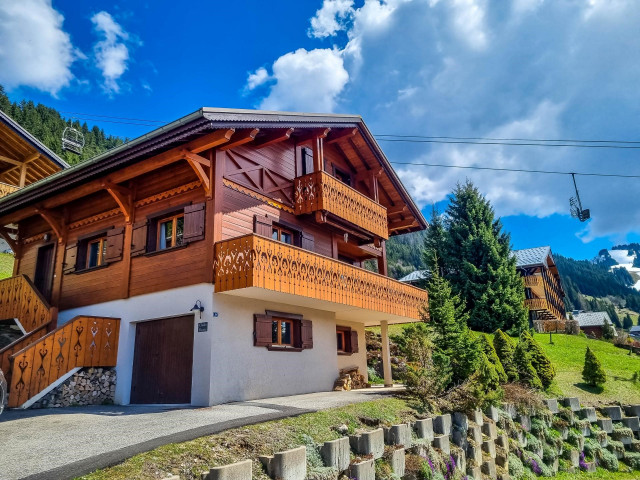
{"x": 6, "y": 265}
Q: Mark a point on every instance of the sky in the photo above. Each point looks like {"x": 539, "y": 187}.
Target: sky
{"x": 532, "y": 69}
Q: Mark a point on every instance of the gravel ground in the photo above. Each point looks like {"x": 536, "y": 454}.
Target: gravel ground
{"x": 67, "y": 442}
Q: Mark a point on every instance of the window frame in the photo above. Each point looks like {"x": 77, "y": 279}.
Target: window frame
{"x": 347, "y": 339}
{"x": 159, "y": 221}
{"x": 279, "y": 322}
{"x": 342, "y": 334}
{"x": 281, "y": 228}
{"x": 341, "y": 175}
{"x": 102, "y": 251}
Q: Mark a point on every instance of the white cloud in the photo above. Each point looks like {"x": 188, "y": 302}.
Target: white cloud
{"x": 257, "y": 78}
{"x": 468, "y": 21}
{"x": 111, "y": 53}
{"x": 306, "y": 81}
{"x": 35, "y": 51}
{"x": 330, "y": 18}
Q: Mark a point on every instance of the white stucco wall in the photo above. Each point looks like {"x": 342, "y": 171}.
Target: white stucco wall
{"x": 355, "y": 359}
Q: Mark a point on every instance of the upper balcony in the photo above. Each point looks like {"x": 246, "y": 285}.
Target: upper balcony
{"x": 319, "y": 191}
{"x": 6, "y": 189}
{"x": 257, "y": 267}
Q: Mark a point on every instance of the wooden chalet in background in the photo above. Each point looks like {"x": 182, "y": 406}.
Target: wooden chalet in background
{"x": 544, "y": 295}
{"x": 262, "y": 219}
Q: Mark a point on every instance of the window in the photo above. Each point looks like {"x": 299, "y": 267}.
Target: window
{"x": 170, "y": 232}
{"x": 282, "y": 331}
{"x": 346, "y": 341}
{"x": 282, "y": 234}
{"x": 96, "y": 252}
{"x": 341, "y": 175}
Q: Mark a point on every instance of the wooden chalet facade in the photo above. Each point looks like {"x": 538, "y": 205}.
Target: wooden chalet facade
{"x": 263, "y": 219}
{"x": 544, "y": 295}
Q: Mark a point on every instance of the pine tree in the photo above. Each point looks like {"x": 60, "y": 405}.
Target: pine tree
{"x": 607, "y": 330}
{"x": 434, "y": 241}
{"x": 543, "y": 366}
{"x": 522, "y": 361}
{"x": 492, "y": 356}
{"x": 479, "y": 263}
{"x": 627, "y": 323}
{"x": 593, "y": 373}
{"x": 451, "y": 336}
{"x": 505, "y": 349}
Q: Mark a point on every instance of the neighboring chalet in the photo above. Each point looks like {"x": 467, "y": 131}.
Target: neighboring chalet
{"x": 215, "y": 259}
{"x": 591, "y": 323}
{"x": 544, "y": 295}
{"x": 417, "y": 277}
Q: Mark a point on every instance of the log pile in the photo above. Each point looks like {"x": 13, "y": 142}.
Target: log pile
{"x": 89, "y": 386}
{"x": 350, "y": 379}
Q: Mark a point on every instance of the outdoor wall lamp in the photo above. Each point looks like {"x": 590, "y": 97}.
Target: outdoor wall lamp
{"x": 198, "y": 307}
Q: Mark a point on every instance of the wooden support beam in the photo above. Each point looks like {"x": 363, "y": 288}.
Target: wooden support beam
{"x": 273, "y": 137}
{"x": 123, "y": 197}
{"x": 10, "y": 160}
{"x": 318, "y": 154}
{"x": 198, "y": 164}
{"x": 409, "y": 223}
{"x": 4, "y": 233}
{"x": 210, "y": 140}
{"x": 382, "y": 260}
{"x": 312, "y": 135}
{"x": 55, "y": 221}
{"x": 240, "y": 138}
{"x": 23, "y": 175}
{"x": 397, "y": 209}
{"x": 339, "y": 135}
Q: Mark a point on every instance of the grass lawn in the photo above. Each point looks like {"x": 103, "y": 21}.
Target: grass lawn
{"x": 567, "y": 354}
{"x": 6, "y": 265}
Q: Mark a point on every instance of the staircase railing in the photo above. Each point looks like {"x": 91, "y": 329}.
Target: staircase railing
{"x": 82, "y": 342}
{"x": 19, "y": 298}
{"x": 14, "y": 347}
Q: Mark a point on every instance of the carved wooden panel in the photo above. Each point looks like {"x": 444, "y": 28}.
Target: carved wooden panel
{"x": 20, "y": 299}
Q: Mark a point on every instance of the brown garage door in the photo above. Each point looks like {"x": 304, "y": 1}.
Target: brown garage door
{"x": 162, "y": 361}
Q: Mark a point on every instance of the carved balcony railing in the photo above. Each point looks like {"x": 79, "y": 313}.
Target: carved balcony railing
{"x": 319, "y": 191}
{"x": 542, "y": 304}
{"x": 532, "y": 281}
{"x": 20, "y": 299}
{"x": 254, "y": 261}
{"x": 6, "y": 189}
{"x": 82, "y": 342}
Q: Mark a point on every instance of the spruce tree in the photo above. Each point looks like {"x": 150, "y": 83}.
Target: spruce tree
{"x": 434, "y": 242}
{"x": 607, "y": 330}
{"x": 522, "y": 361}
{"x": 543, "y": 366}
{"x": 451, "y": 336}
{"x": 627, "y": 323}
{"x": 593, "y": 373}
{"x": 505, "y": 349}
{"x": 479, "y": 264}
{"x": 492, "y": 356}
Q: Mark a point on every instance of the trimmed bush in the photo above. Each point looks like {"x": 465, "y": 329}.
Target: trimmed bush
{"x": 616, "y": 447}
{"x": 633, "y": 460}
{"x": 593, "y": 373}
{"x": 541, "y": 363}
{"x": 505, "y": 349}
{"x": 492, "y": 356}
{"x": 591, "y": 448}
{"x": 522, "y": 361}
{"x": 608, "y": 460}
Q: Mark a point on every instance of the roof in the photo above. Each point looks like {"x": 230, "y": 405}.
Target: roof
{"x": 635, "y": 330}
{"x": 33, "y": 141}
{"x": 184, "y": 129}
{"x": 415, "y": 276}
{"x": 532, "y": 256}
{"x": 592, "y": 319}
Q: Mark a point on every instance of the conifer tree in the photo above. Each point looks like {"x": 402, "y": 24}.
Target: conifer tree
{"x": 627, "y": 323}
{"x": 593, "y": 373}
{"x": 479, "y": 264}
{"x": 492, "y": 357}
{"x": 526, "y": 373}
{"x": 434, "y": 241}
{"x": 607, "y": 330}
{"x": 505, "y": 348}
{"x": 541, "y": 363}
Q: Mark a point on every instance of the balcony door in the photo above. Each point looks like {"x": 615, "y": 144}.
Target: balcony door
{"x": 43, "y": 278}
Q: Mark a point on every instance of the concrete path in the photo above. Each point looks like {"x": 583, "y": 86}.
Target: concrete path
{"x": 65, "y": 443}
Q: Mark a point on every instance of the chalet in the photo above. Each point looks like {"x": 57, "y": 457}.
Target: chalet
{"x": 215, "y": 259}
{"x": 544, "y": 295}
{"x": 591, "y": 323}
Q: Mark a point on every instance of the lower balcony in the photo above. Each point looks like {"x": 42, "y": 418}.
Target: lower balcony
{"x": 257, "y": 267}
{"x": 545, "y": 307}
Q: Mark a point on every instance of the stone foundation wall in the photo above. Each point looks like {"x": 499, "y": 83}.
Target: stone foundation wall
{"x": 89, "y": 386}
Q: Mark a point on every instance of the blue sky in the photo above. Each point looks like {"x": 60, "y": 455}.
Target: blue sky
{"x": 463, "y": 68}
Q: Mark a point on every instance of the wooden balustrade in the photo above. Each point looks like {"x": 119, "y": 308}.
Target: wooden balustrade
{"x": 6, "y": 189}
{"x": 254, "y": 261}
{"x": 532, "y": 281}
{"x": 543, "y": 304}
{"x": 7, "y": 352}
{"x": 82, "y": 342}
{"x": 20, "y": 299}
{"x": 320, "y": 191}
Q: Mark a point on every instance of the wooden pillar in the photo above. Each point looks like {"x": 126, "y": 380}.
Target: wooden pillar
{"x": 334, "y": 245}
{"x": 318, "y": 154}
{"x": 209, "y": 223}
{"x": 23, "y": 175}
{"x": 218, "y": 194}
{"x": 373, "y": 185}
{"x": 386, "y": 354}
{"x": 56, "y": 289}
{"x": 382, "y": 259}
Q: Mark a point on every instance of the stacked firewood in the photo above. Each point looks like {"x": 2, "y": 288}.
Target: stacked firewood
{"x": 350, "y": 379}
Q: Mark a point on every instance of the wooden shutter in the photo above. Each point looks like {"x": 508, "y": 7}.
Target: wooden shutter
{"x": 115, "y": 243}
{"x": 307, "y": 242}
{"x": 306, "y": 333}
{"x": 70, "y": 258}
{"x": 194, "y": 222}
{"x": 262, "y": 330}
{"x": 307, "y": 161}
{"x": 139, "y": 239}
{"x": 262, "y": 225}
{"x": 354, "y": 341}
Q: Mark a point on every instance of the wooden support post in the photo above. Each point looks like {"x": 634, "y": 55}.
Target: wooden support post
{"x": 23, "y": 175}
{"x": 382, "y": 259}
{"x": 218, "y": 192}
{"x": 386, "y": 354}
{"x": 56, "y": 289}
{"x": 209, "y": 222}
{"x": 373, "y": 186}
{"x": 318, "y": 154}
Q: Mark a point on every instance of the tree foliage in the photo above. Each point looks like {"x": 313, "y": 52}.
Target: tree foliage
{"x": 627, "y": 322}
{"x": 539, "y": 360}
{"x": 505, "y": 349}
{"x": 593, "y": 373}
{"x": 607, "y": 330}
{"x": 492, "y": 356}
{"x": 527, "y": 374}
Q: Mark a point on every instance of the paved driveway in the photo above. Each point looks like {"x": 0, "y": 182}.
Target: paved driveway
{"x": 67, "y": 442}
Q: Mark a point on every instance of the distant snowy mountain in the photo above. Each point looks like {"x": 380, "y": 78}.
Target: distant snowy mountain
{"x": 624, "y": 258}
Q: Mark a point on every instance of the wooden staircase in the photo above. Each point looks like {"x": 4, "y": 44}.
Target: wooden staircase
{"x": 46, "y": 353}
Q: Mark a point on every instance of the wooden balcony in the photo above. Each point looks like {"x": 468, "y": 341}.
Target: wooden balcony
{"x": 319, "y": 191}
{"x": 542, "y": 304}
{"x": 6, "y": 189}
{"x": 256, "y": 267}
{"x": 532, "y": 281}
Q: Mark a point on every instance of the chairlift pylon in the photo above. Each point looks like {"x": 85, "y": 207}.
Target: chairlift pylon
{"x": 575, "y": 205}
{"x": 72, "y": 140}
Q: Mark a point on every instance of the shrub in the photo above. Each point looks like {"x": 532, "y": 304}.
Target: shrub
{"x": 549, "y": 454}
{"x": 533, "y": 443}
{"x": 505, "y": 349}
{"x": 538, "y": 427}
{"x": 607, "y": 460}
{"x": 591, "y": 448}
{"x": 593, "y": 373}
{"x": 575, "y": 438}
{"x": 516, "y": 469}
{"x": 633, "y": 460}
{"x": 621, "y": 432}
{"x": 541, "y": 363}
{"x": 537, "y": 466}
{"x": 522, "y": 361}
{"x": 492, "y": 356}
{"x": 616, "y": 447}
